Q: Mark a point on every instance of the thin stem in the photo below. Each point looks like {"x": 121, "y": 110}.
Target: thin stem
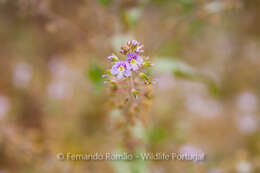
{"x": 130, "y": 103}
{"x": 128, "y": 106}
{"x": 133, "y": 80}
{"x": 130, "y": 86}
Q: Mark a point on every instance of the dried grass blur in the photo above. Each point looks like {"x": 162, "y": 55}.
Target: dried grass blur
{"x": 52, "y": 97}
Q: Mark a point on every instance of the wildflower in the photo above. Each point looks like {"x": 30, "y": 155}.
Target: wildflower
{"x": 121, "y": 68}
{"x": 134, "y": 60}
{"x": 129, "y": 78}
{"x": 113, "y": 58}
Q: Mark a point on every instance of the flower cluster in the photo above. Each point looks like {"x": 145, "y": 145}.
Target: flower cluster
{"x": 130, "y": 66}
{"x": 132, "y": 50}
{"x": 132, "y": 46}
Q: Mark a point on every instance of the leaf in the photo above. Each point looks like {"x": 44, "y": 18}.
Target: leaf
{"x": 182, "y": 70}
{"x": 156, "y": 135}
{"x": 169, "y": 65}
{"x": 131, "y": 16}
{"x": 94, "y": 74}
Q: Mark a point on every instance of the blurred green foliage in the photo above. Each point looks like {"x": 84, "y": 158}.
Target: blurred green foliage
{"x": 105, "y": 2}
{"x": 130, "y": 17}
{"x": 184, "y": 71}
{"x": 94, "y": 74}
{"x": 156, "y": 135}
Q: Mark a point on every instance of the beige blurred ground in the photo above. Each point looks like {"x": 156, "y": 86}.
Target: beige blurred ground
{"x": 52, "y": 97}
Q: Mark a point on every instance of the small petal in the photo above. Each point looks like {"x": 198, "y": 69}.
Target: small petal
{"x": 128, "y": 66}
{"x": 134, "y": 42}
{"x": 127, "y": 73}
{"x": 135, "y": 67}
{"x": 113, "y": 58}
{"x": 139, "y": 49}
{"x": 114, "y": 70}
{"x": 139, "y": 60}
{"x": 120, "y": 76}
{"x": 109, "y": 58}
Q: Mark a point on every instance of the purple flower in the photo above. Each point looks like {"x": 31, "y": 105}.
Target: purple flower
{"x": 121, "y": 68}
{"x": 134, "y": 60}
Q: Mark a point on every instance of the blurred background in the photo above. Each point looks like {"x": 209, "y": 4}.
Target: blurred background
{"x": 206, "y": 96}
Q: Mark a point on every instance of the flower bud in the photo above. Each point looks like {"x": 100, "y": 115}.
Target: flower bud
{"x": 124, "y": 50}
{"x": 113, "y": 58}
{"x": 147, "y": 64}
{"x": 135, "y": 93}
{"x": 146, "y": 78}
{"x": 139, "y": 49}
{"x": 112, "y": 82}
